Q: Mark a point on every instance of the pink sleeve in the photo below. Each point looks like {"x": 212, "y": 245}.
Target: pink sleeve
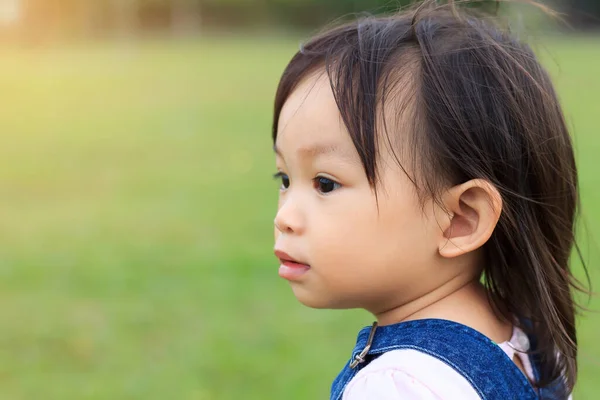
{"x": 389, "y": 384}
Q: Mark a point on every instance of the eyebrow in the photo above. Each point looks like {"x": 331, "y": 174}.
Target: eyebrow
{"x": 316, "y": 150}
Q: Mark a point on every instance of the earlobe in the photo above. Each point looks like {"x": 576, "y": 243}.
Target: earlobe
{"x": 474, "y": 209}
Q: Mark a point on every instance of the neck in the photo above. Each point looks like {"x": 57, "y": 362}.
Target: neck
{"x": 460, "y": 300}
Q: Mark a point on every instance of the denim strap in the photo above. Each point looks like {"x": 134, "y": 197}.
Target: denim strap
{"x": 480, "y": 361}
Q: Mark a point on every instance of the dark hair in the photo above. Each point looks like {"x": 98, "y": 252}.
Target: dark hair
{"x": 481, "y": 106}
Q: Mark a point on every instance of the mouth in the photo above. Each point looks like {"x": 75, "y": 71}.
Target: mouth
{"x": 290, "y": 268}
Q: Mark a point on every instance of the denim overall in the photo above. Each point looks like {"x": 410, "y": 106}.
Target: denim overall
{"x": 488, "y": 369}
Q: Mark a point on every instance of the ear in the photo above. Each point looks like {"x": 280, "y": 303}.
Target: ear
{"x": 473, "y": 210}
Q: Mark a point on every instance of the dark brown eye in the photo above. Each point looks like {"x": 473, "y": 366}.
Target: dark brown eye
{"x": 326, "y": 185}
{"x": 285, "y": 180}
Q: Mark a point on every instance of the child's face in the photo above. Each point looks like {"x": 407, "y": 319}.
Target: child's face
{"x": 358, "y": 254}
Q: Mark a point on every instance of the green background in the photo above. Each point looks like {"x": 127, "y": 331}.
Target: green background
{"x": 136, "y": 216}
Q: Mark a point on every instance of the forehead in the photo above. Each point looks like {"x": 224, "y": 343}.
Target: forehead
{"x": 310, "y": 114}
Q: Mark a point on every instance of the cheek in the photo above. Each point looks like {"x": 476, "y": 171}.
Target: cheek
{"x": 343, "y": 235}
{"x": 404, "y": 230}
{"x": 357, "y": 239}
{"x": 359, "y": 224}
{"x": 276, "y": 231}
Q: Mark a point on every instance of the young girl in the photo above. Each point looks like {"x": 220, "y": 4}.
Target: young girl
{"x": 427, "y": 176}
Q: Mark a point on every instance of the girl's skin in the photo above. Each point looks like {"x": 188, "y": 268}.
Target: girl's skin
{"x": 343, "y": 245}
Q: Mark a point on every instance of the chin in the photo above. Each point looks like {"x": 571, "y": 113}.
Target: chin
{"x": 317, "y": 300}
{"x": 311, "y": 299}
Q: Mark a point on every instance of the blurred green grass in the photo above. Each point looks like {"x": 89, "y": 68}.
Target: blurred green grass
{"x": 136, "y": 214}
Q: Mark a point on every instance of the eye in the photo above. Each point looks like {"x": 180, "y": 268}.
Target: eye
{"x": 326, "y": 185}
{"x": 285, "y": 180}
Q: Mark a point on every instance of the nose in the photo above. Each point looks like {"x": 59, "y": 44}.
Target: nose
{"x": 289, "y": 219}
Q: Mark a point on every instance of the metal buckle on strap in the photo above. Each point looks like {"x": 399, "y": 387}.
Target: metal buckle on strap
{"x": 360, "y": 357}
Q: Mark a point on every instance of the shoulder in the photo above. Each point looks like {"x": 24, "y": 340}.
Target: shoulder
{"x": 408, "y": 374}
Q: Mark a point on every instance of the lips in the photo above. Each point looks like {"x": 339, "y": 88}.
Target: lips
{"x": 290, "y": 268}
